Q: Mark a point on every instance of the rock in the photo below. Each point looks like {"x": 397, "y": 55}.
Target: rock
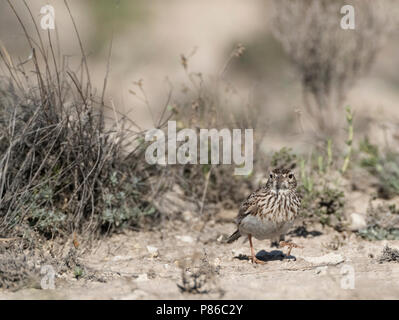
{"x": 327, "y": 259}
{"x": 142, "y": 277}
{"x": 188, "y": 216}
{"x": 122, "y": 258}
{"x": 153, "y": 251}
{"x": 186, "y": 239}
{"x": 358, "y": 222}
{"x": 217, "y": 262}
{"x": 238, "y": 252}
{"x": 178, "y": 263}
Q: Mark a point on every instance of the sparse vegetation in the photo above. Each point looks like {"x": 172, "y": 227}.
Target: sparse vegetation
{"x": 65, "y": 165}
{"x": 389, "y": 255}
{"x": 383, "y": 165}
{"x": 382, "y": 223}
{"x": 204, "y": 103}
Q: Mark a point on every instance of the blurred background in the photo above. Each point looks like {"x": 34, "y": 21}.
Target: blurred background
{"x": 150, "y": 36}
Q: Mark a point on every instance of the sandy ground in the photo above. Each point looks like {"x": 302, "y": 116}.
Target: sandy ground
{"x": 149, "y": 265}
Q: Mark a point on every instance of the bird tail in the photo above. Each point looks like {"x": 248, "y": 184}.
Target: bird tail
{"x": 233, "y": 237}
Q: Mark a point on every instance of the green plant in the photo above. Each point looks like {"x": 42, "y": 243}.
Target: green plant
{"x": 378, "y": 233}
{"x": 329, "y": 206}
{"x": 349, "y": 141}
{"x": 306, "y": 179}
{"x": 382, "y": 223}
{"x": 78, "y": 272}
{"x": 384, "y": 166}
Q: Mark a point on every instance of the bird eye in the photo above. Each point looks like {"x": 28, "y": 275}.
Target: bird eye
{"x": 271, "y": 176}
{"x": 290, "y": 176}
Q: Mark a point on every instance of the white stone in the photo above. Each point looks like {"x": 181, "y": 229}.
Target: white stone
{"x": 142, "y": 277}
{"x": 237, "y": 252}
{"x": 358, "y": 222}
{"x": 153, "y": 251}
{"x": 186, "y": 239}
{"x": 327, "y": 259}
{"x": 121, "y": 258}
{"x": 188, "y": 216}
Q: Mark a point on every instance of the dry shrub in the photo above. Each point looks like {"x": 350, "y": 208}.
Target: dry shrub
{"x": 65, "y": 165}
{"x": 213, "y": 102}
{"x": 17, "y": 268}
{"x": 329, "y": 59}
{"x": 382, "y": 222}
{"x": 389, "y": 255}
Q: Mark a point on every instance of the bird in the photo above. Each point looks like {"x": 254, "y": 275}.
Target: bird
{"x": 270, "y": 211}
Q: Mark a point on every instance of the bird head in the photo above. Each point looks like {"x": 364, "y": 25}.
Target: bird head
{"x": 281, "y": 181}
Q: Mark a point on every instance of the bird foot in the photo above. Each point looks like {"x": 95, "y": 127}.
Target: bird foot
{"x": 257, "y": 261}
{"x": 290, "y": 245}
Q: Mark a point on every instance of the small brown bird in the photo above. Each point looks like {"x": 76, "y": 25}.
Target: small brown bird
{"x": 270, "y": 211}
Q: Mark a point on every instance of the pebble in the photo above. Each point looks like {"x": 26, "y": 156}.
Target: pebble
{"x": 237, "y": 252}
{"x": 153, "y": 251}
{"x": 121, "y": 258}
{"x": 188, "y": 216}
{"x": 358, "y": 222}
{"x": 328, "y": 259}
{"x": 217, "y": 262}
{"x": 142, "y": 277}
{"x": 186, "y": 239}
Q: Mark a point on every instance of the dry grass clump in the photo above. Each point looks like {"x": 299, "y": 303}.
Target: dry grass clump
{"x": 383, "y": 164}
{"x": 389, "y": 255}
{"x": 212, "y": 102}
{"x": 382, "y": 223}
{"x": 320, "y": 186}
{"x": 18, "y": 270}
{"x": 329, "y": 59}
{"x": 64, "y": 164}
{"x": 23, "y": 265}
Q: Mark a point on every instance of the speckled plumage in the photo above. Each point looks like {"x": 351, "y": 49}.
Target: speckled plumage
{"x": 271, "y": 210}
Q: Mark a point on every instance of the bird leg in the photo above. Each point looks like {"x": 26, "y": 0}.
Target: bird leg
{"x": 253, "y": 257}
{"x": 290, "y": 245}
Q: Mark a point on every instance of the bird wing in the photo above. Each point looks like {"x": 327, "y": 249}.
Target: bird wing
{"x": 250, "y": 205}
